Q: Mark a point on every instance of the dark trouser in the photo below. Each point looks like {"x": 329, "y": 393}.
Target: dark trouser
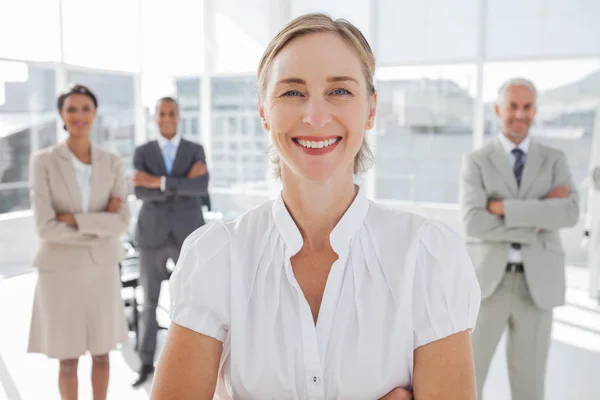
{"x": 153, "y": 271}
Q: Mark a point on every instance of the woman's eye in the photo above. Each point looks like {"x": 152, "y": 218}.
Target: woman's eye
{"x": 292, "y": 93}
{"x": 339, "y": 92}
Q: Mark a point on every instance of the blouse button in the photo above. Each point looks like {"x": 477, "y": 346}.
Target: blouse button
{"x": 315, "y": 379}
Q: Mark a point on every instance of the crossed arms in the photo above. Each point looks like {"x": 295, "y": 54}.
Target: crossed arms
{"x": 148, "y": 186}
{"x": 516, "y": 220}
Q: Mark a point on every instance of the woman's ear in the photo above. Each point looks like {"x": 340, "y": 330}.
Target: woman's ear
{"x": 372, "y": 112}
{"x": 263, "y": 116}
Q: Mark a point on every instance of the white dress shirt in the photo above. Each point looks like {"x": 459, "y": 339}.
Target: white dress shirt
{"x": 401, "y": 281}
{"x": 162, "y": 142}
{"x": 83, "y": 174}
{"x": 514, "y": 255}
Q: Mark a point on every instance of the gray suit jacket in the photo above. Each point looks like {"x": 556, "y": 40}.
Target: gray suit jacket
{"x": 177, "y": 211}
{"x": 529, "y": 219}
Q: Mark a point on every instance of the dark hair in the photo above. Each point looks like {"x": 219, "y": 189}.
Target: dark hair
{"x": 75, "y": 89}
{"x": 166, "y": 98}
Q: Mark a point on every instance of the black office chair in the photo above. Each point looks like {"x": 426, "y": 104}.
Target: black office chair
{"x": 129, "y": 269}
{"x": 130, "y": 278}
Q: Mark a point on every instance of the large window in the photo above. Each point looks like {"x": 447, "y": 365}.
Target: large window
{"x": 238, "y": 139}
{"x": 188, "y": 97}
{"x": 568, "y": 100}
{"x": 542, "y": 28}
{"x": 27, "y": 123}
{"x": 427, "y": 31}
{"x": 424, "y": 126}
{"x": 241, "y": 32}
{"x": 102, "y": 34}
{"x": 172, "y": 37}
{"x": 357, "y": 11}
{"x": 30, "y": 30}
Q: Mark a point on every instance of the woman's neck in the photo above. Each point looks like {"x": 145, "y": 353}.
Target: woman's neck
{"x": 81, "y": 148}
{"x": 317, "y": 207}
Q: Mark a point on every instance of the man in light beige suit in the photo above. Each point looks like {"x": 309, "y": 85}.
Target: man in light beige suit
{"x": 516, "y": 194}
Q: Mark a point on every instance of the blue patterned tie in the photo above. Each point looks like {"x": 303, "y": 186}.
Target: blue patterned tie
{"x": 168, "y": 157}
{"x": 519, "y": 164}
{"x": 518, "y": 170}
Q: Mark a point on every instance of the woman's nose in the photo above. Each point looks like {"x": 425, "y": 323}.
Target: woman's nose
{"x": 316, "y": 112}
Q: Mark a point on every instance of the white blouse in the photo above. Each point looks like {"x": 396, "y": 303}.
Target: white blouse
{"x": 83, "y": 174}
{"x": 401, "y": 281}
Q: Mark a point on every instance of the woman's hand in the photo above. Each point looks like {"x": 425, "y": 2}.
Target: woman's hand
{"x": 66, "y": 218}
{"x": 114, "y": 205}
{"x": 398, "y": 394}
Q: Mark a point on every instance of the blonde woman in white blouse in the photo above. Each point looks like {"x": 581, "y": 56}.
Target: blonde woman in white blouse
{"x": 320, "y": 294}
{"x": 78, "y": 194}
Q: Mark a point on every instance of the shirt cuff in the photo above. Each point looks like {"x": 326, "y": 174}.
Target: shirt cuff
{"x": 163, "y": 183}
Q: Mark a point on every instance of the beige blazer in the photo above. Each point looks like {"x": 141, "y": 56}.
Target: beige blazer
{"x": 529, "y": 218}
{"x": 54, "y": 189}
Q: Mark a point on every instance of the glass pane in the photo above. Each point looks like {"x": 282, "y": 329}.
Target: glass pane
{"x": 424, "y": 126}
{"x": 241, "y": 30}
{"x": 188, "y": 97}
{"x": 30, "y": 30}
{"x": 236, "y": 139}
{"x": 14, "y": 199}
{"x": 426, "y": 31}
{"x": 27, "y": 117}
{"x": 172, "y": 37}
{"x": 568, "y": 100}
{"x": 356, "y": 11}
{"x": 114, "y": 128}
{"x": 102, "y": 34}
{"x": 542, "y": 28}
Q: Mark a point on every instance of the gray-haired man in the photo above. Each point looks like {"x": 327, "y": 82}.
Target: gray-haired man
{"x": 516, "y": 194}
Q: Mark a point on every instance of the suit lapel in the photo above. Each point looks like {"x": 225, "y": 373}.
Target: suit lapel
{"x": 533, "y": 163}
{"x": 500, "y": 160}
{"x": 67, "y": 171}
{"x": 161, "y": 160}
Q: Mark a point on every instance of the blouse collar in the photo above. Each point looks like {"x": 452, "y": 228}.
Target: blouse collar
{"x": 342, "y": 233}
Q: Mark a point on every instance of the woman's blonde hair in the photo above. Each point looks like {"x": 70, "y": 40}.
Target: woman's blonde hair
{"x": 321, "y": 23}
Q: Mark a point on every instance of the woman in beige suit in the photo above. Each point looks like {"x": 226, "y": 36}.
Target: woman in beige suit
{"x": 78, "y": 195}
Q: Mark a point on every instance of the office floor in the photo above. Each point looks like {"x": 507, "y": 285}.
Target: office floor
{"x": 573, "y": 371}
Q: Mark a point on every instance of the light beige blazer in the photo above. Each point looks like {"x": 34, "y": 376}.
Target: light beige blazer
{"x": 54, "y": 189}
{"x": 529, "y": 218}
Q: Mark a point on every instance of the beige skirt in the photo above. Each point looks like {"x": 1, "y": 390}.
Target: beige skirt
{"x": 77, "y": 311}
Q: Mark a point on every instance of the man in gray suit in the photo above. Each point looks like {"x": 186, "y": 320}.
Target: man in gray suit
{"x": 171, "y": 178}
{"x": 515, "y": 195}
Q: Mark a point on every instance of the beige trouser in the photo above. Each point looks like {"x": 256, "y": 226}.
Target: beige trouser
{"x": 528, "y": 341}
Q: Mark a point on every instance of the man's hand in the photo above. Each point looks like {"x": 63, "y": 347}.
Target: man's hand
{"x": 114, "y": 205}
{"x": 197, "y": 170}
{"x": 66, "y": 218}
{"x": 146, "y": 180}
{"x": 496, "y": 207}
{"x": 559, "y": 192}
{"x": 398, "y": 394}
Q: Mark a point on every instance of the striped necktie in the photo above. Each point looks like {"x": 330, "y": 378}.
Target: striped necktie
{"x": 519, "y": 164}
